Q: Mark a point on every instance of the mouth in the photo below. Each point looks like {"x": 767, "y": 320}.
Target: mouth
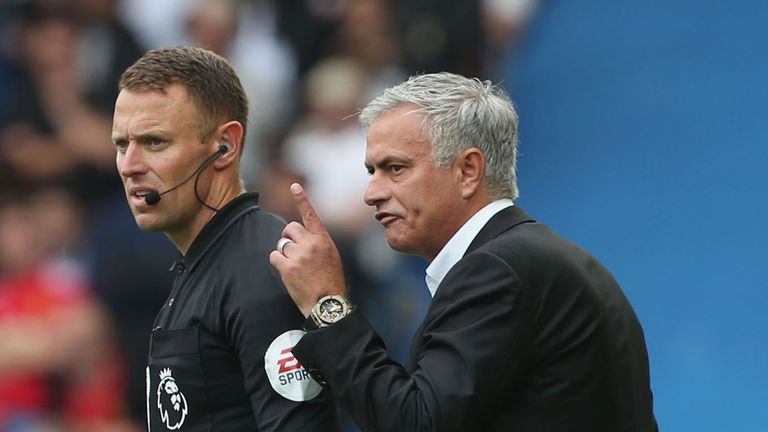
{"x": 137, "y": 195}
{"x": 385, "y": 218}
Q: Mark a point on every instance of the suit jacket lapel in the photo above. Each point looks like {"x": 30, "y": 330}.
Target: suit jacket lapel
{"x": 500, "y": 222}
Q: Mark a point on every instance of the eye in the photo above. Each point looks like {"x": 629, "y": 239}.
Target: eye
{"x": 121, "y": 146}
{"x": 396, "y": 169}
{"x": 155, "y": 142}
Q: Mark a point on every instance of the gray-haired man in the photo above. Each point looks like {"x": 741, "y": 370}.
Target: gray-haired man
{"x": 526, "y": 331}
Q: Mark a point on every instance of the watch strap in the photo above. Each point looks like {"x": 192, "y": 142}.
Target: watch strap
{"x": 314, "y": 321}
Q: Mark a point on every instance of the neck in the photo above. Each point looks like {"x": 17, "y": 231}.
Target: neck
{"x": 217, "y": 198}
{"x": 452, "y": 225}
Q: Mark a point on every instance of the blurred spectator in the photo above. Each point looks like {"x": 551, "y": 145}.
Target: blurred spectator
{"x": 310, "y": 27}
{"x": 60, "y": 121}
{"x": 155, "y": 23}
{"x": 103, "y": 36}
{"x": 327, "y": 147}
{"x": 326, "y": 133}
{"x": 245, "y": 34}
{"x": 367, "y": 35}
{"x": 130, "y": 275}
{"x": 65, "y": 58}
{"x": 58, "y": 366}
{"x": 5, "y": 72}
{"x": 504, "y": 22}
{"x": 279, "y": 177}
{"x": 441, "y": 35}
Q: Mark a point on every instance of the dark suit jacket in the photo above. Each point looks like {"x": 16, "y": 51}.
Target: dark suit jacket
{"x": 527, "y": 332}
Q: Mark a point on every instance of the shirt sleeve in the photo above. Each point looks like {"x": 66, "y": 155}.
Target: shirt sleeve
{"x": 263, "y": 323}
{"x": 473, "y": 347}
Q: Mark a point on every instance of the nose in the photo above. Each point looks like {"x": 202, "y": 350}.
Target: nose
{"x": 376, "y": 192}
{"x": 131, "y": 162}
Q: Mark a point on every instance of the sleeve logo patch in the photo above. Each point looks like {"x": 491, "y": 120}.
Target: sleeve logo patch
{"x": 286, "y": 375}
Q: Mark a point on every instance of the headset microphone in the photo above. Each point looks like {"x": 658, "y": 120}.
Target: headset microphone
{"x": 153, "y": 197}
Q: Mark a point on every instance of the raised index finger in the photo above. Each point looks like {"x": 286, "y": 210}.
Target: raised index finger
{"x": 309, "y": 216}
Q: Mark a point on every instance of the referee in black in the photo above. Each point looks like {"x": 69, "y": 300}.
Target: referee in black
{"x": 220, "y": 353}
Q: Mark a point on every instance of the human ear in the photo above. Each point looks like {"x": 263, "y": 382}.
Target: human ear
{"x": 470, "y": 170}
{"x": 229, "y": 143}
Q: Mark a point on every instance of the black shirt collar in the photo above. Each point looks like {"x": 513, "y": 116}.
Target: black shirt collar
{"x": 228, "y": 214}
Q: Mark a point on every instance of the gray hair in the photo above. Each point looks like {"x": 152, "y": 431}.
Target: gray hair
{"x": 460, "y": 113}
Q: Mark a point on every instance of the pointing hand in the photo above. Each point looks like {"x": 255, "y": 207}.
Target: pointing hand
{"x": 309, "y": 263}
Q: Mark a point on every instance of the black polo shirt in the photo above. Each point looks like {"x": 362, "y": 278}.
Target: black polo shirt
{"x": 220, "y": 355}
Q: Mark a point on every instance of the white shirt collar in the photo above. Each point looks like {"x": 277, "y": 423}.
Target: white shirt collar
{"x": 452, "y": 252}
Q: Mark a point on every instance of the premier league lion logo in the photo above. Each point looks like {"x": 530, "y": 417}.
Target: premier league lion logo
{"x": 170, "y": 401}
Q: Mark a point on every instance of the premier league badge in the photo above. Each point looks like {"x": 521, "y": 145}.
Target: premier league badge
{"x": 171, "y": 401}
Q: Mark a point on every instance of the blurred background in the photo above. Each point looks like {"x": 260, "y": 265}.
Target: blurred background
{"x": 643, "y": 138}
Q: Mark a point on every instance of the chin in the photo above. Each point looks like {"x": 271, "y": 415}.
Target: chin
{"x": 399, "y": 245}
{"x": 147, "y": 222}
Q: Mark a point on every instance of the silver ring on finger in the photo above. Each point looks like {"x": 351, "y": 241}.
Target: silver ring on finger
{"x": 282, "y": 243}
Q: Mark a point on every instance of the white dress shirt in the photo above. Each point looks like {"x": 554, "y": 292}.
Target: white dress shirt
{"x": 452, "y": 252}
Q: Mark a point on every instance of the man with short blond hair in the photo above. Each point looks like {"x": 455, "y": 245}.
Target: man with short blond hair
{"x": 220, "y": 352}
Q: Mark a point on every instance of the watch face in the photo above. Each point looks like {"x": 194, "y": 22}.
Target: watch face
{"x": 331, "y": 310}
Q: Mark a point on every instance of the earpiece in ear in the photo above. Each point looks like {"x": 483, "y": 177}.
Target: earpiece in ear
{"x": 223, "y": 149}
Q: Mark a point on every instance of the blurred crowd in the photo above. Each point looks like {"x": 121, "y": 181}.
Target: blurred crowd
{"x": 79, "y": 283}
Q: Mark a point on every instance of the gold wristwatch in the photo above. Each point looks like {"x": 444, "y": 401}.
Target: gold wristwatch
{"x": 328, "y": 310}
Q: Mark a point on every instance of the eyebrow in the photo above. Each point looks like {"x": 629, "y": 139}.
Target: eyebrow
{"x": 386, "y": 161}
{"x": 152, "y": 134}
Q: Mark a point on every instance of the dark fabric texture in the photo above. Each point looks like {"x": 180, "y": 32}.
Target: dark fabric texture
{"x": 527, "y": 332}
{"x": 226, "y": 307}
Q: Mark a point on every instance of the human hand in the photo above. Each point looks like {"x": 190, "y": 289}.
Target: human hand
{"x": 309, "y": 263}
